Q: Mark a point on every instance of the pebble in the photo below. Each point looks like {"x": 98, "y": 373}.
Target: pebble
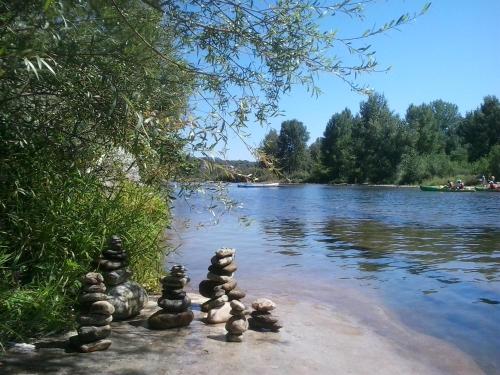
{"x": 237, "y": 306}
{"x": 233, "y": 338}
{"x": 94, "y": 288}
{"x": 164, "y": 320}
{"x": 102, "y": 307}
{"x": 256, "y": 324}
{"x": 265, "y": 318}
{"x": 225, "y": 252}
{"x": 206, "y": 288}
{"x": 92, "y": 297}
{"x": 94, "y": 319}
{"x": 115, "y": 255}
{"x": 236, "y": 294}
{"x": 219, "y": 315}
{"x": 117, "y": 276}
{"x": 92, "y": 278}
{"x": 214, "y": 303}
{"x": 221, "y": 262}
{"x": 174, "y": 282}
{"x": 236, "y": 325}
{"x": 175, "y": 305}
{"x": 263, "y": 305}
{"x": 109, "y": 265}
{"x": 219, "y": 278}
{"x": 220, "y": 270}
{"x": 173, "y": 294}
{"x": 94, "y": 346}
{"x": 88, "y": 334}
{"x": 230, "y": 285}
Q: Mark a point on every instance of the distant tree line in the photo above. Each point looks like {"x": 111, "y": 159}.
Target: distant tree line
{"x": 432, "y": 141}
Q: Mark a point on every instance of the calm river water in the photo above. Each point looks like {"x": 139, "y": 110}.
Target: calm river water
{"x": 433, "y": 258}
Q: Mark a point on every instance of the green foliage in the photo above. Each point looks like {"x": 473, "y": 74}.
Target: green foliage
{"x": 494, "y": 161}
{"x": 337, "y": 146}
{"x": 481, "y": 128}
{"x": 56, "y": 231}
{"x": 292, "y": 146}
{"x": 84, "y": 104}
{"x": 379, "y": 141}
{"x": 433, "y": 143}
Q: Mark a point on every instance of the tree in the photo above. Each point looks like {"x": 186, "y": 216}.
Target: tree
{"x": 268, "y": 150}
{"x": 292, "y": 146}
{"x": 245, "y": 54}
{"x": 337, "y": 150}
{"x": 448, "y": 119}
{"x": 425, "y": 131}
{"x": 380, "y": 141}
{"x": 481, "y": 128}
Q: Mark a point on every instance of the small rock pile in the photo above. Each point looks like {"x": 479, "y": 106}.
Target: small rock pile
{"x": 95, "y": 316}
{"x": 262, "y": 318}
{"x": 237, "y": 324}
{"x": 128, "y": 297}
{"x": 220, "y": 286}
{"x": 174, "y": 302}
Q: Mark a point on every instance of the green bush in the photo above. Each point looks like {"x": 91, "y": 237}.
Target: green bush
{"x": 52, "y": 237}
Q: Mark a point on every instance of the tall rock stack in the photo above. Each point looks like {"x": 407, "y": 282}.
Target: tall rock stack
{"x": 262, "y": 318}
{"x": 174, "y": 302}
{"x": 237, "y": 324}
{"x": 220, "y": 286}
{"x": 95, "y": 316}
{"x": 128, "y": 297}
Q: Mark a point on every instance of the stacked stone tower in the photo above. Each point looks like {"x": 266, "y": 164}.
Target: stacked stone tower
{"x": 220, "y": 286}
{"x": 128, "y": 297}
{"x": 175, "y": 304}
{"x": 237, "y": 324}
{"x": 95, "y": 316}
{"x": 262, "y": 318}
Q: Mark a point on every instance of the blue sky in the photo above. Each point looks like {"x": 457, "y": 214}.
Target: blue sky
{"x": 451, "y": 53}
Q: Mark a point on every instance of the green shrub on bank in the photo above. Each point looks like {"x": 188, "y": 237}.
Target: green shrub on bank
{"x": 52, "y": 237}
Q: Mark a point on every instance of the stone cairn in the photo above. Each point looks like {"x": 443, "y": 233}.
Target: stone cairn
{"x": 128, "y": 297}
{"x": 96, "y": 313}
{"x": 237, "y": 324}
{"x": 220, "y": 286}
{"x": 262, "y": 318}
{"x": 175, "y": 304}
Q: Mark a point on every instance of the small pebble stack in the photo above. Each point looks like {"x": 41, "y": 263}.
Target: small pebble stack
{"x": 220, "y": 286}
{"x": 127, "y": 297}
{"x": 96, "y": 313}
{"x": 238, "y": 323}
{"x": 113, "y": 263}
{"x": 262, "y": 318}
{"x": 174, "y": 302}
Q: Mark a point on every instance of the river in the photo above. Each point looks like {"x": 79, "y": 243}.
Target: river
{"x": 432, "y": 258}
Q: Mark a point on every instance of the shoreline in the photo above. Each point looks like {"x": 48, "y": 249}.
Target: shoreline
{"x": 352, "y": 335}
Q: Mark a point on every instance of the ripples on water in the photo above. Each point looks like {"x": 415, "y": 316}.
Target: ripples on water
{"x": 433, "y": 257}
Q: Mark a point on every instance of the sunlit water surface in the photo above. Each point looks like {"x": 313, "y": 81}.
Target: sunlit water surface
{"x": 433, "y": 258}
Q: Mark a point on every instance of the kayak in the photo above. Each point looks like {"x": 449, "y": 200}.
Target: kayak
{"x": 445, "y": 189}
{"x": 487, "y": 189}
{"x": 258, "y": 185}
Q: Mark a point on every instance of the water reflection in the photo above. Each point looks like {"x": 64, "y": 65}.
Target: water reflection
{"x": 437, "y": 252}
{"x": 291, "y": 233}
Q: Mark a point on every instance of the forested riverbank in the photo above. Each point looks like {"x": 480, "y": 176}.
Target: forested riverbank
{"x": 432, "y": 143}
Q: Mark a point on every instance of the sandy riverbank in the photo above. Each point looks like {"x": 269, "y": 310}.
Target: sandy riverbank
{"x": 316, "y": 339}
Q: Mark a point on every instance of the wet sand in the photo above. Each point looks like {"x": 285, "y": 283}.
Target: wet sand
{"x": 353, "y": 335}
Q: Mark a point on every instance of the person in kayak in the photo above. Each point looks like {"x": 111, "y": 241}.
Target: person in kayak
{"x": 450, "y": 185}
{"x": 460, "y": 185}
